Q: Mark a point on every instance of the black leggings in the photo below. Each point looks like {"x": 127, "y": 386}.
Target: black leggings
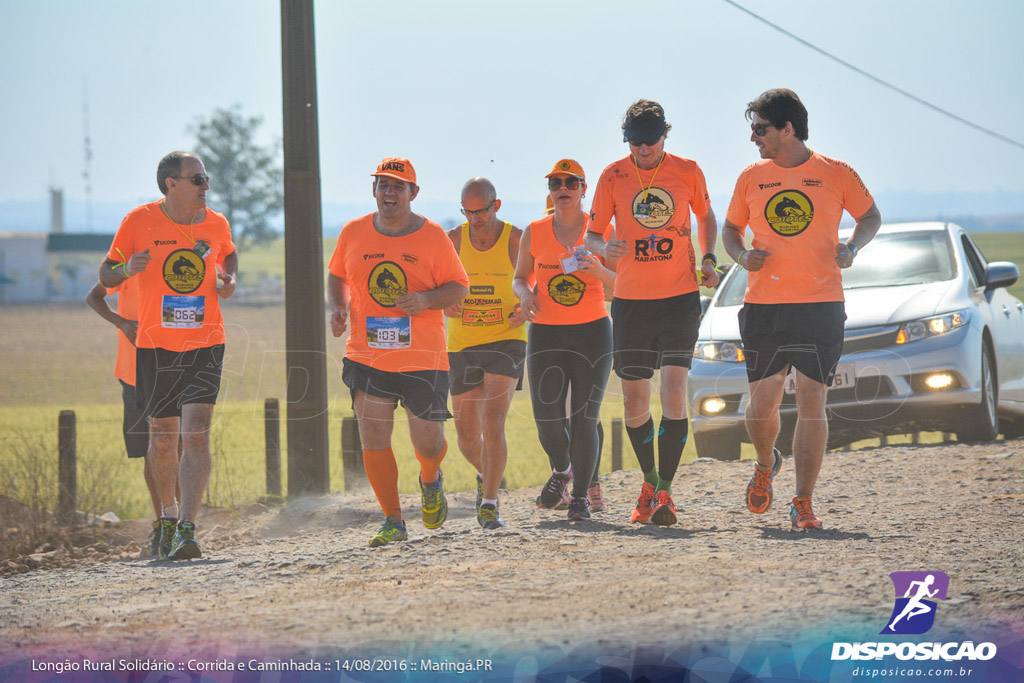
{"x": 560, "y": 358}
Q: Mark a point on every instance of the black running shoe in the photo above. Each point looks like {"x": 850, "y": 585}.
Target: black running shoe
{"x": 553, "y": 492}
{"x": 579, "y": 509}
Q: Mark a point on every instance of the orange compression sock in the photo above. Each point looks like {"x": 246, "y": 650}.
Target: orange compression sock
{"x": 382, "y": 472}
{"x": 429, "y": 467}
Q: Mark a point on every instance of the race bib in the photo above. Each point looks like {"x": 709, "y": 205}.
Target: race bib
{"x": 389, "y": 333}
{"x": 183, "y": 312}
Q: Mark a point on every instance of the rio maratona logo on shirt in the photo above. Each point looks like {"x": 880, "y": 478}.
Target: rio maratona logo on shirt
{"x": 566, "y": 289}
{"x": 789, "y": 212}
{"x": 654, "y": 208}
{"x": 387, "y": 283}
{"x": 184, "y": 271}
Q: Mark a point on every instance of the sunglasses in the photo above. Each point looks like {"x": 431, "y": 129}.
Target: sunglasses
{"x": 198, "y": 179}
{"x": 760, "y": 128}
{"x": 571, "y": 183}
{"x": 649, "y": 143}
{"x": 478, "y": 212}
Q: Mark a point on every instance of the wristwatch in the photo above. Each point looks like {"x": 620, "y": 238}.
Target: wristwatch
{"x": 853, "y": 248}
{"x": 710, "y": 257}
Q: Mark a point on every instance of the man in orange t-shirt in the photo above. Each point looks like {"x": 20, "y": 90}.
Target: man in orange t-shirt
{"x": 134, "y": 426}
{"x": 175, "y": 248}
{"x": 793, "y": 312}
{"x": 656, "y": 309}
{"x": 392, "y": 274}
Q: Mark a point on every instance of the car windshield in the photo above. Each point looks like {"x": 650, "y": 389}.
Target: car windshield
{"x": 889, "y": 260}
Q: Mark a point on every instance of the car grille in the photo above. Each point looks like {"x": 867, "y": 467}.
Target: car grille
{"x": 866, "y": 390}
{"x": 869, "y": 339}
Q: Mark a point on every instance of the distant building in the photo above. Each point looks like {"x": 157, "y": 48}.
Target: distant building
{"x": 75, "y": 262}
{"x": 24, "y": 267}
{"x": 39, "y": 267}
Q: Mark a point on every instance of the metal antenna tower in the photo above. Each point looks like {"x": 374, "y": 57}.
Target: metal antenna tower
{"x": 87, "y": 171}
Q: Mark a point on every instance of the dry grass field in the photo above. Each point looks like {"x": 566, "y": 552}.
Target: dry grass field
{"x": 61, "y": 356}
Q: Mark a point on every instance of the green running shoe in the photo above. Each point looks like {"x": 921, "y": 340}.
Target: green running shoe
{"x": 435, "y": 505}
{"x": 168, "y": 527}
{"x": 390, "y": 531}
{"x": 487, "y": 517}
{"x": 185, "y": 546}
{"x": 479, "y": 490}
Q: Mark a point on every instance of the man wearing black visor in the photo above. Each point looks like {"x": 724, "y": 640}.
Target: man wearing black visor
{"x": 656, "y": 308}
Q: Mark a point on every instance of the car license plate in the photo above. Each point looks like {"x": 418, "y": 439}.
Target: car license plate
{"x": 844, "y": 378}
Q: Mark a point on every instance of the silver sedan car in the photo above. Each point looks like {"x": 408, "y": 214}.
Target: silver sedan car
{"x": 934, "y": 342}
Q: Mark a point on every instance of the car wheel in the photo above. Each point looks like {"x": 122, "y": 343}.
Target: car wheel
{"x": 718, "y": 446}
{"x": 981, "y": 422}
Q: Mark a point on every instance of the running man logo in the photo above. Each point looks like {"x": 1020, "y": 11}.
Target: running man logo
{"x": 387, "y": 283}
{"x": 652, "y": 248}
{"x": 916, "y": 592}
{"x": 789, "y": 212}
{"x": 184, "y": 271}
{"x": 566, "y": 289}
{"x": 656, "y": 210}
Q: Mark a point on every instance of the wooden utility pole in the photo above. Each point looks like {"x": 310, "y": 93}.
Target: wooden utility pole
{"x": 308, "y": 464}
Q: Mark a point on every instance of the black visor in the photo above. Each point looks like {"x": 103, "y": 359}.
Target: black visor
{"x": 647, "y": 129}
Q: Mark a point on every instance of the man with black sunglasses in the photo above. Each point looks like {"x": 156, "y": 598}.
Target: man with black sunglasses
{"x": 793, "y": 314}
{"x": 486, "y": 341}
{"x": 177, "y": 248}
{"x": 656, "y": 307}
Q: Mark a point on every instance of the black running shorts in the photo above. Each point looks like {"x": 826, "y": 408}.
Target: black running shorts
{"x": 807, "y": 336}
{"x": 649, "y": 334}
{"x": 424, "y": 393}
{"x": 167, "y": 380}
{"x": 135, "y": 425}
{"x": 469, "y": 365}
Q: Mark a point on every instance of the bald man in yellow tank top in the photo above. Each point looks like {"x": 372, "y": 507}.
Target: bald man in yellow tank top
{"x": 486, "y": 341}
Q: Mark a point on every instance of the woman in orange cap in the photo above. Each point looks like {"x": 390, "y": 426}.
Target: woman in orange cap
{"x": 568, "y": 356}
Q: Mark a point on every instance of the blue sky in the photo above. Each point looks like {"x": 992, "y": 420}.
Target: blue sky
{"x": 503, "y": 89}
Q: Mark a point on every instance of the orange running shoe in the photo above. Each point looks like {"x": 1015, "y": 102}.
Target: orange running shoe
{"x": 802, "y": 516}
{"x": 759, "y": 490}
{"x": 642, "y": 511}
{"x": 664, "y": 510}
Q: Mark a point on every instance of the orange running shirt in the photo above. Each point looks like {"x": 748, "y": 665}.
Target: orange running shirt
{"x": 379, "y": 269}
{"x": 178, "y": 304}
{"x": 564, "y": 298}
{"x": 794, "y": 214}
{"x": 127, "y": 307}
{"x": 657, "y": 230}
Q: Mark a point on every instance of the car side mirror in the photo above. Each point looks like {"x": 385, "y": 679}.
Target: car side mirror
{"x": 705, "y": 301}
{"x": 1001, "y": 274}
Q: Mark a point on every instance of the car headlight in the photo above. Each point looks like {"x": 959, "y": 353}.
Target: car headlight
{"x": 930, "y": 327}
{"x": 730, "y": 352}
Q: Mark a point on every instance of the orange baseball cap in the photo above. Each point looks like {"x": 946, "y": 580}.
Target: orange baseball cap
{"x": 570, "y": 166}
{"x": 397, "y": 167}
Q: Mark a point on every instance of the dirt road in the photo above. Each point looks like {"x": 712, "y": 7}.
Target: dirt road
{"x": 300, "y": 581}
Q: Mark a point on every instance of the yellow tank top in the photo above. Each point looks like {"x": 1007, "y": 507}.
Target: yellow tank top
{"x": 486, "y": 310}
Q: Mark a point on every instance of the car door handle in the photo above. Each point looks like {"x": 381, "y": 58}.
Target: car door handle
{"x": 1006, "y": 311}
{"x": 1020, "y": 307}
